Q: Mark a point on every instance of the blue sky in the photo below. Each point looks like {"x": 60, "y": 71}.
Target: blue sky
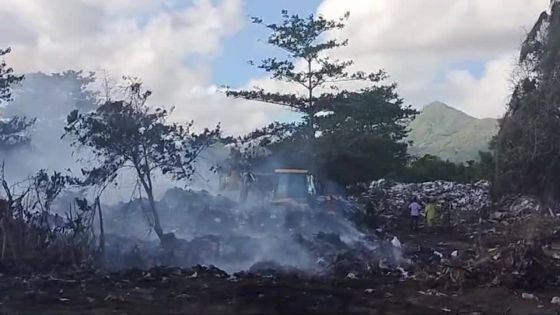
{"x": 230, "y": 66}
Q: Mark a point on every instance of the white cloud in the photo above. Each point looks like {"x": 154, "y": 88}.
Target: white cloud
{"x": 170, "y": 45}
{"x": 419, "y": 43}
{"x": 486, "y": 96}
{"x": 155, "y": 40}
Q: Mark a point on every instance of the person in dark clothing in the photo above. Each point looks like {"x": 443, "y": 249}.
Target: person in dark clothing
{"x": 246, "y": 183}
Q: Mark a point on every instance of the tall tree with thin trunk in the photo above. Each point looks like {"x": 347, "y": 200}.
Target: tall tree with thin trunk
{"x": 346, "y": 116}
{"x": 317, "y": 77}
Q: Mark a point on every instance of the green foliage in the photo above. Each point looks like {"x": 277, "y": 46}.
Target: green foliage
{"x": 362, "y": 138}
{"x": 7, "y": 78}
{"x": 48, "y": 186}
{"x": 319, "y": 77}
{"x": 432, "y": 168}
{"x": 528, "y": 146}
{"x": 129, "y": 134}
{"x": 12, "y": 131}
{"x": 349, "y": 136}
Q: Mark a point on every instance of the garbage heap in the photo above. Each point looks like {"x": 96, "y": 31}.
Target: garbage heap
{"x": 519, "y": 253}
{"x": 516, "y": 244}
{"x": 386, "y": 201}
{"x": 389, "y": 195}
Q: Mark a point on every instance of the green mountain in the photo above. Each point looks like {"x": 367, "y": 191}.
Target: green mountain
{"x": 449, "y": 133}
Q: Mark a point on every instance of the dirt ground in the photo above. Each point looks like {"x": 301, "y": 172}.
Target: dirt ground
{"x": 203, "y": 290}
{"x": 178, "y": 292}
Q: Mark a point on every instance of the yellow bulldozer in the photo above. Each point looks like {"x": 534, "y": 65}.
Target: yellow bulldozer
{"x": 283, "y": 186}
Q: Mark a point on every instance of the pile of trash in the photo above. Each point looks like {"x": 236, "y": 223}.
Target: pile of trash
{"x": 319, "y": 237}
{"x": 517, "y": 207}
{"x": 386, "y": 202}
{"x": 520, "y": 252}
{"x": 392, "y": 196}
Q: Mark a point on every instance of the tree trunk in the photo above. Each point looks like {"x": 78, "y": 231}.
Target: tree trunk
{"x": 157, "y": 223}
{"x": 146, "y": 181}
{"x": 101, "y": 230}
{"x": 153, "y": 209}
{"x": 311, "y": 116}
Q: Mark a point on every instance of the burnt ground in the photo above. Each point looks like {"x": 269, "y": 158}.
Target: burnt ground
{"x": 202, "y": 290}
{"x": 178, "y": 292}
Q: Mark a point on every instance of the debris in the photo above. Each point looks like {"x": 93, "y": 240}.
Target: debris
{"x": 555, "y": 300}
{"x": 454, "y": 254}
{"x": 404, "y": 273}
{"x": 393, "y": 196}
{"x": 524, "y": 204}
{"x": 351, "y": 276}
{"x": 529, "y": 296}
{"x": 369, "y": 291}
{"x": 396, "y": 243}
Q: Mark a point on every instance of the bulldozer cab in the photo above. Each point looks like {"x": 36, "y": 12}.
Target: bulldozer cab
{"x": 283, "y": 186}
{"x": 293, "y": 185}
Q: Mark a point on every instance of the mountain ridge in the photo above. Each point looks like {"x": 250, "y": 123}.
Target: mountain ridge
{"x": 450, "y": 133}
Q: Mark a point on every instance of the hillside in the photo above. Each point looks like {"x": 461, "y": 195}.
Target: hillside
{"x": 449, "y": 133}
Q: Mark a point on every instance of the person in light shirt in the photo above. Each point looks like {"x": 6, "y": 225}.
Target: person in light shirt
{"x": 415, "y": 207}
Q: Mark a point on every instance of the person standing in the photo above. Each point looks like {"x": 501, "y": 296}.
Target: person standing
{"x": 414, "y": 208}
{"x": 246, "y": 182}
{"x": 431, "y": 212}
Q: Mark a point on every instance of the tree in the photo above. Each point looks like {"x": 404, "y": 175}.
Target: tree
{"x": 12, "y": 130}
{"x": 338, "y": 125}
{"x": 363, "y": 138}
{"x": 528, "y": 143}
{"x": 307, "y": 66}
{"x": 49, "y": 98}
{"x": 129, "y": 134}
{"x": 54, "y": 95}
{"x": 431, "y": 168}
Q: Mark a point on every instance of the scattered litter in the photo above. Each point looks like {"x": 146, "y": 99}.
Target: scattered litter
{"x": 555, "y": 300}
{"x": 529, "y": 296}
{"x": 351, "y": 276}
{"x": 396, "y": 243}
{"x": 404, "y": 273}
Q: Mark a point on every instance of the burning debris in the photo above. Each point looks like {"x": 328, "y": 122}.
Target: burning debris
{"x": 213, "y": 230}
